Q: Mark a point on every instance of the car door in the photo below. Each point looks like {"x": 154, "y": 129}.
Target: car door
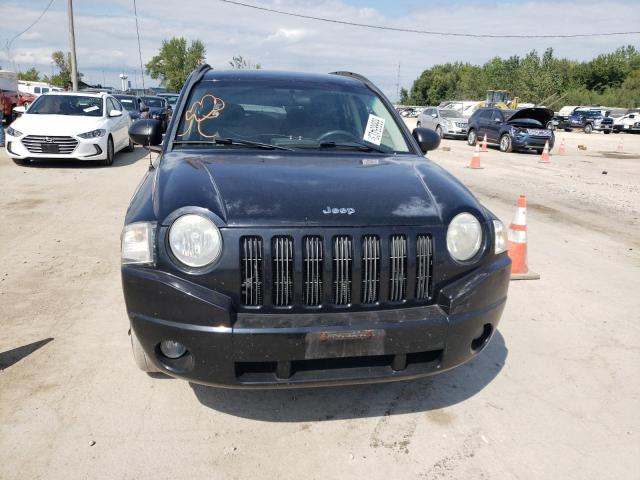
{"x": 494, "y": 125}
{"x": 431, "y": 118}
{"x": 484, "y": 119}
{"x": 119, "y": 125}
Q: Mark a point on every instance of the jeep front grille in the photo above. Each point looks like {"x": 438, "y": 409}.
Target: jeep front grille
{"x": 370, "y": 268}
{"x": 367, "y": 269}
{"x": 251, "y": 267}
{"x": 312, "y": 274}
{"x": 282, "y": 268}
{"x": 342, "y": 270}
{"x": 398, "y": 269}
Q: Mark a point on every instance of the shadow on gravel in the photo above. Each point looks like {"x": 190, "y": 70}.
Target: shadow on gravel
{"x": 360, "y": 401}
{"x": 13, "y": 356}
{"x": 122, "y": 159}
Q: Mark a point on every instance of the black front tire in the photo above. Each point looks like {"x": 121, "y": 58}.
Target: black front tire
{"x": 472, "y": 138}
{"x": 129, "y": 148}
{"x": 107, "y": 162}
{"x": 506, "y": 145}
{"x": 606, "y": 132}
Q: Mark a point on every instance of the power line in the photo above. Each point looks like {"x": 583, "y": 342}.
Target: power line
{"x": 422, "y": 32}
{"x": 29, "y": 27}
{"x": 135, "y": 12}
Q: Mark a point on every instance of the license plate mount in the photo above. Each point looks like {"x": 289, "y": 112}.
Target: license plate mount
{"x": 49, "y": 148}
{"x": 340, "y": 344}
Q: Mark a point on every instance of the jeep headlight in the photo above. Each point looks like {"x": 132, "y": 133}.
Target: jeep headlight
{"x": 195, "y": 241}
{"x": 464, "y": 237}
{"x": 93, "y": 133}
{"x": 501, "y": 240}
{"x": 137, "y": 243}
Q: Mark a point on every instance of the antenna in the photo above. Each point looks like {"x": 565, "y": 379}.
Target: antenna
{"x": 135, "y": 12}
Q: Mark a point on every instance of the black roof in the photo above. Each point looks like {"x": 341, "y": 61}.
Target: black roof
{"x": 213, "y": 75}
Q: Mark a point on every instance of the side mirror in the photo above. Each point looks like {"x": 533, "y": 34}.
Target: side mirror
{"x": 146, "y": 132}
{"x": 115, "y": 113}
{"x": 434, "y": 115}
{"x": 427, "y": 139}
{"x": 144, "y": 108}
{"x": 20, "y": 109}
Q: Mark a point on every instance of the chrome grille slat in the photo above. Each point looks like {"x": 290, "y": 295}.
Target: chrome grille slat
{"x": 313, "y": 256}
{"x": 251, "y": 265}
{"x": 33, "y": 143}
{"x": 398, "y": 268}
{"x": 342, "y": 261}
{"x": 423, "y": 267}
{"x": 370, "y": 268}
{"x": 282, "y": 259}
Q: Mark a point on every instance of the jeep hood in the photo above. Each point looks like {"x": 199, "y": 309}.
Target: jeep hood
{"x": 269, "y": 189}
{"x": 542, "y": 115}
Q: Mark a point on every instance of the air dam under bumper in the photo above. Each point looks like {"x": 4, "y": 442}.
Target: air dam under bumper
{"x": 245, "y": 350}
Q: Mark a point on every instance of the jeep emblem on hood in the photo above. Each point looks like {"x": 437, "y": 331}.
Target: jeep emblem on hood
{"x": 344, "y": 211}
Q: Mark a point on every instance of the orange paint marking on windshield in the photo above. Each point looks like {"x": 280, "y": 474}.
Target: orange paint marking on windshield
{"x": 206, "y": 108}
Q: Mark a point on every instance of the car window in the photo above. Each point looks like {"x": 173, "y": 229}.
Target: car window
{"x": 45, "y": 89}
{"x": 153, "y": 102}
{"x": 497, "y": 116}
{"x": 117, "y": 105}
{"x": 75, "y": 105}
{"x": 36, "y": 89}
{"x": 127, "y": 103}
{"x": 292, "y": 114}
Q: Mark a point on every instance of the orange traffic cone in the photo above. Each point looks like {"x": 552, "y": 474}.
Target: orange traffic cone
{"x": 517, "y": 236}
{"x": 545, "y": 153}
{"x": 475, "y": 160}
{"x": 484, "y": 144}
{"x": 620, "y": 148}
{"x": 562, "y": 150}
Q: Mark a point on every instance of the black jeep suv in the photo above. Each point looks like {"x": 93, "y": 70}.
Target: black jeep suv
{"x": 511, "y": 130}
{"x": 292, "y": 233}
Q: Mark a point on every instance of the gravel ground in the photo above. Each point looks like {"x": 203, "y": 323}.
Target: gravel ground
{"x": 554, "y": 396}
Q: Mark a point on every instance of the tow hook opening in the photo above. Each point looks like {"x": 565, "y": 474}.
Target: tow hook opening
{"x": 482, "y": 337}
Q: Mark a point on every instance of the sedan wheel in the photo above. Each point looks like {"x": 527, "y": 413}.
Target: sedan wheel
{"x": 505, "y": 143}
{"x": 588, "y": 128}
{"x": 110, "y": 153}
{"x": 419, "y": 124}
{"x": 129, "y": 148}
{"x": 472, "y": 138}
{"x": 439, "y": 131}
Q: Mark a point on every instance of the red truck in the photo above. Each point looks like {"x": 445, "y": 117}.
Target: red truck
{"x": 9, "y": 97}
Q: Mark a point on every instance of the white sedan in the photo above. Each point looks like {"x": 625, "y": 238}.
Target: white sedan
{"x": 65, "y": 125}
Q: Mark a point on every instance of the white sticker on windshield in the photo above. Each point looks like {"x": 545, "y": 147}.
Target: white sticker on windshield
{"x": 373, "y": 132}
{"x": 90, "y": 109}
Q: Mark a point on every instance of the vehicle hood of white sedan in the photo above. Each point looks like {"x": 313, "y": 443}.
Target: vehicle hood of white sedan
{"x": 38, "y": 124}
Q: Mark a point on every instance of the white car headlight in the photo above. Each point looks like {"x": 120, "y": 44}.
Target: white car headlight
{"x": 501, "y": 240}
{"x": 195, "y": 240}
{"x": 13, "y": 132}
{"x": 100, "y": 132}
{"x": 138, "y": 240}
{"x": 464, "y": 237}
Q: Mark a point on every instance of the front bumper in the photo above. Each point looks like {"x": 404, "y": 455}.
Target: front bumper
{"x": 232, "y": 349}
{"x": 526, "y": 142}
{"x": 87, "y": 149}
{"x": 455, "y": 132}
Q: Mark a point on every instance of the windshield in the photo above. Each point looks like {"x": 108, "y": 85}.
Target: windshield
{"x": 67, "y": 105}
{"x": 171, "y": 100}
{"x": 128, "y": 103}
{"x": 290, "y": 114}
{"x": 153, "y": 102}
{"x": 449, "y": 113}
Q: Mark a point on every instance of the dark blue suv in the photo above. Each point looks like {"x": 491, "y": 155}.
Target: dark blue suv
{"x": 524, "y": 129}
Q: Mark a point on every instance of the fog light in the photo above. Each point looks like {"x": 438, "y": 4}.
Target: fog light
{"x": 172, "y": 349}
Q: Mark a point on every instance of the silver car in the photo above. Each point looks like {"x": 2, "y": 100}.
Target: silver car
{"x": 448, "y": 123}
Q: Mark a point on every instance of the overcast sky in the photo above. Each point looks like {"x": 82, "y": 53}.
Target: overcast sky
{"x": 106, "y": 36}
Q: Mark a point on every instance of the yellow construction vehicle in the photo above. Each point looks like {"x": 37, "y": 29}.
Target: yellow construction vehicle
{"x": 501, "y": 99}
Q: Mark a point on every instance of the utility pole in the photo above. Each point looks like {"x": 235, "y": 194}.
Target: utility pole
{"x": 72, "y": 45}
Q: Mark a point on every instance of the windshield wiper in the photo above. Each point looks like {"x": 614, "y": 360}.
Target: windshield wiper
{"x": 232, "y": 141}
{"x": 358, "y": 146}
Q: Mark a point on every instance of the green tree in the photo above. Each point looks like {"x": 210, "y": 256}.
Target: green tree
{"x": 175, "y": 61}
{"x": 63, "y": 77}
{"x": 31, "y": 75}
{"x": 240, "y": 63}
